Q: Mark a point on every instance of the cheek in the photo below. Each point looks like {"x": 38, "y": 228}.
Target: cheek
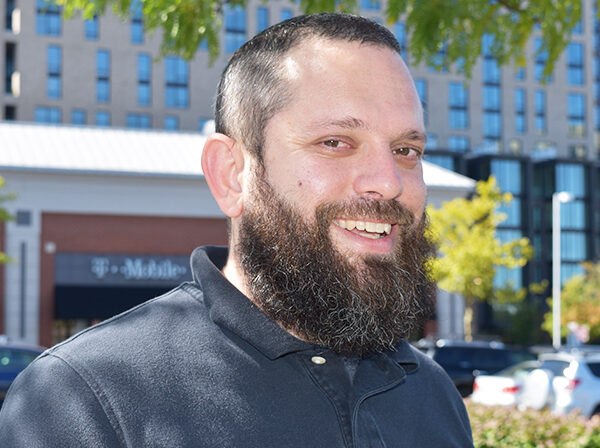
{"x": 414, "y": 197}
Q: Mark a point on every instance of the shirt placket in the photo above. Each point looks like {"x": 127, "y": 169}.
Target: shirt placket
{"x": 374, "y": 375}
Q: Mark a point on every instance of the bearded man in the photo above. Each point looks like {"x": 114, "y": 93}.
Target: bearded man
{"x": 295, "y": 337}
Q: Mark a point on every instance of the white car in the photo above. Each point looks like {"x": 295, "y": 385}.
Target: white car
{"x": 564, "y": 382}
{"x": 504, "y": 387}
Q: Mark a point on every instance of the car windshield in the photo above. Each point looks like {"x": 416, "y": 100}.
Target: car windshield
{"x": 594, "y": 368}
{"x": 487, "y": 359}
{"x": 518, "y": 370}
{"x": 14, "y": 359}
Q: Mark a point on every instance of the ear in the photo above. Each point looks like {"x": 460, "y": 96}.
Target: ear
{"x": 223, "y": 165}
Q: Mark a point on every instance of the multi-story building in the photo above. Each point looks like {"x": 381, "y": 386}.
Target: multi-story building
{"x": 536, "y": 137}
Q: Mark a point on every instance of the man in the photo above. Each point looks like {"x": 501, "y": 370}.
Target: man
{"x": 295, "y": 338}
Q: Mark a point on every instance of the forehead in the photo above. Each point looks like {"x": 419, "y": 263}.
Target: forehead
{"x": 336, "y": 79}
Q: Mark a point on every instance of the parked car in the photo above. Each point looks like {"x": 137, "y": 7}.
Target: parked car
{"x": 564, "y": 382}
{"x": 504, "y": 387}
{"x": 463, "y": 361}
{"x": 14, "y": 357}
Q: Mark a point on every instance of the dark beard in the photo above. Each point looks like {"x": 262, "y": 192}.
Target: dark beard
{"x": 302, "y": 282}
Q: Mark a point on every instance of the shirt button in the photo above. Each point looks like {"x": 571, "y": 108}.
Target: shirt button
{"x": 318, "y": 360}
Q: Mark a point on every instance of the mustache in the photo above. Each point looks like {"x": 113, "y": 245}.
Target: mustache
{"x": 390, "y": 211}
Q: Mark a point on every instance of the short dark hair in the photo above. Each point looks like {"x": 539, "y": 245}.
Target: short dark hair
{"x": 252, "y": 89}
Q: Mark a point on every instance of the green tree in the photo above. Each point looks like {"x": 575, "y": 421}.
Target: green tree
{"x": 451, "y": 28}
{"x": 469, "y": 251}
{"x": 4, "y": 215}
{"x": 580, "y": 302}
{"x": 520, "y": 320}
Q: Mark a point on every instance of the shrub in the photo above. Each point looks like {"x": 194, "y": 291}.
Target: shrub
{"x": 499, "y": 426}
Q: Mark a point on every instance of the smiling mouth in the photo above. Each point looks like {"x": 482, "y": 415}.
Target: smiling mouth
{"x": 367, "y": 229}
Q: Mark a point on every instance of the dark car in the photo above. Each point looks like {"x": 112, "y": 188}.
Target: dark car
{"x": 14, "y": 357}
{"x": 465, "y": 360}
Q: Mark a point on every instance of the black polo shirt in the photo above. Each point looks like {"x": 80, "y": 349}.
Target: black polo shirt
{"x": 201, "y": 366}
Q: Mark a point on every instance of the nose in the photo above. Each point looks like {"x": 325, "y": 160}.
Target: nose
{"x": 378, "y": 176}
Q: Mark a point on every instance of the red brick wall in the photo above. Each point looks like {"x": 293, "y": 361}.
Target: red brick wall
{"x": 116, "y": 234}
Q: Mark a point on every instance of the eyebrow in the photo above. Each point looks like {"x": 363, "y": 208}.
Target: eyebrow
{"x": 412, "y": 135}
{"x": 345, "y": 123}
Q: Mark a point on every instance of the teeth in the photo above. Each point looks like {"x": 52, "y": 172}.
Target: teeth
{"x": 375, "y": 228}
{"x": 373, "y": 236}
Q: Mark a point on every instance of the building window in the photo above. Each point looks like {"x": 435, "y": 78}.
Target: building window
{"x": 541, "y": 56}
{"x": 235, "y": 27}
{"x": 9, "y": 68}
{"x": 576, "y": 114}
{"x": 458, "y": 143}
{"x": 102, "y": 76}
{"x": 491, "y": 71}
{"x": 139, "y": 121}
{"x": 203, "y": 125}
{"x": 421, "y": 86}
{"x": 54, "y": 66}
{"x": 572, "y": 178}
{"x": 575, "y": 71}
{"x": 577, "y": 151}
{"x": 400, "y": 33}
{"x": 370, "y": 5}
{"x": 262, "y": 18}
{"x": 78, "y": 116}
{"x": 10, "y": 7}
{"x": 432, "y": 141}
{"x": 177, "y": 78}
{"x": 492, "y": 98}
{"x": 10, "y": 113}
{"x": 137, "y": 22}
{"x": 91, "y": 28}
{"x": 520, "y": 74}
{"x": 458, "y": 99}
{"x": 286, "y": 14}
{"x": 508, "y": 174}
{"x": 47, "y": 115}
{"x": 102, "y": 118}
{"x": 48, "y": 20}
{"x": 492, "y": 125}
{"x": 439, "y": 160}
{"x": 520, "y": 111}
{"x": 144, "y": 70}
{"x": 540, "y": 112}
{"x": 437, "y": 63}
{"x": 171, "y": 123}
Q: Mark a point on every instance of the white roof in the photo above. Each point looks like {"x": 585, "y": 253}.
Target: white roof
{"x": 96, "y": 150}
{"x": 83, "y": 149}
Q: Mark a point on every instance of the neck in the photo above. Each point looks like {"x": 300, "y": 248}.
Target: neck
{"x": 234, "y": 273}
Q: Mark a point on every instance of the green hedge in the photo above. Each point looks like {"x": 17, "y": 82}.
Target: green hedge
{"x": 499, "y": 426}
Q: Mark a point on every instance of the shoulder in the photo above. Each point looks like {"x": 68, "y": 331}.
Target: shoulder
{"x": 429, "y": 367}
{"x": 141, "y": 326}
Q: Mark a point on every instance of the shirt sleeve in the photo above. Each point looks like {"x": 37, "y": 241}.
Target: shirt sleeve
{"x": 50, "y": 405}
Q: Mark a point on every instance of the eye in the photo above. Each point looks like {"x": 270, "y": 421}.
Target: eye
{"x": 332, "y": 143}
{"x": 336, "y": 145}
{"x": 406, "y": 151}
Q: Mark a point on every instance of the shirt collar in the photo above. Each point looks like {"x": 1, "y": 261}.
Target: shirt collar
{"x": 231, "y": 309}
